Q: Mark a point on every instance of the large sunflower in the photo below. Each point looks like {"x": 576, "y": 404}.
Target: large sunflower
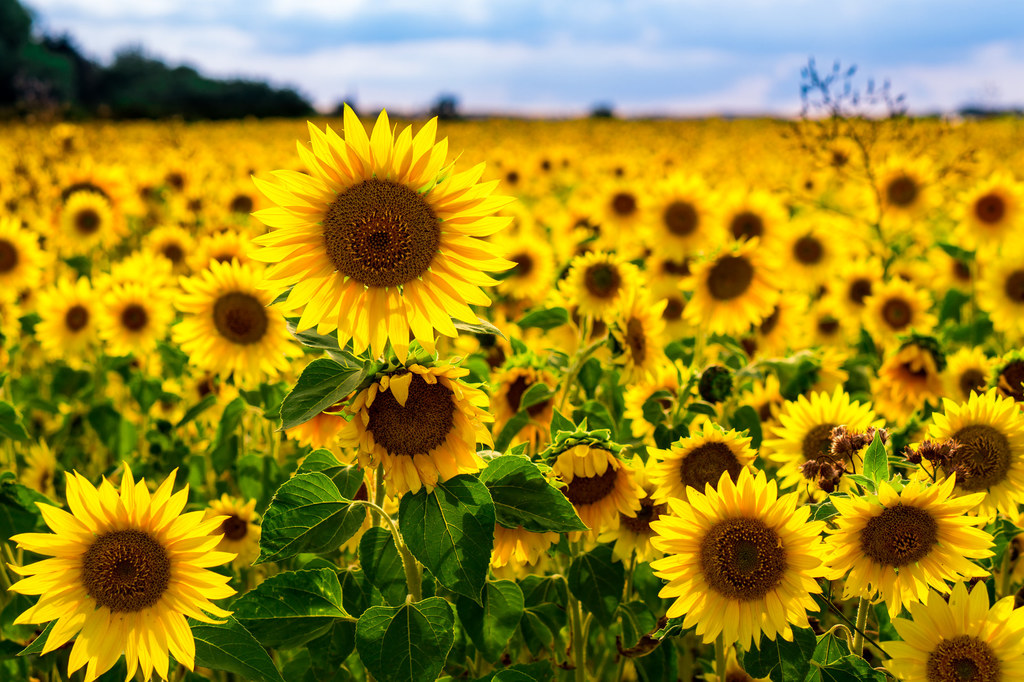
{"x": 732, "y": 290}
{"x": 896, "y": 545}
{"x": 960, "y": 640}
{"x": 133, "y": 317}
{"x": 87, "y": 222}
{"x": 380, "y": 241}
{"x": 125, "y": 571}
{"x": 598, "y": 284}
{"x": 600, "y": 486}
{"x": 990, "y": 456}
{"x": 805, "y": 427}
{"x": 228, "y": 327}
{"x": 989, "y": 212}
{"x": 740, "y": 560}
{"x": 20, "y": 259}
{"x": 699, "y": 460}
{"x": 421, "y": 423}
{"x": 67, "y": 329}
{"x": 897, "y": 307}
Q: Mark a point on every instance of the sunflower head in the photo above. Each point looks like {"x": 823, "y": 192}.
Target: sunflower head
{"x": 239, "y": 531}
{"x": 699, "y": 460}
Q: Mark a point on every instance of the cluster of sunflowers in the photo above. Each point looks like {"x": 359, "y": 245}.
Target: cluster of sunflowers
{"x": 702, "y": 400}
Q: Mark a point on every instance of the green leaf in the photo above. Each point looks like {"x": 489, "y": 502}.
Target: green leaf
{"x": 307, "y": 514}
{"x": 227, "y": 444}
{"x": 512, "y": 676}
{"x": 523, "y": 496}
{"x": 36, "y": 646}
{"x": 876, "y": 461}
{"x": 863, "y": 481}
{"x": 780, "y": 660}
{"x": 382, "y": 564}
{"x": 349, "y": 479}
{"x": 510, "y": 429}
{"x": 406, "y": 643}
{"x": 590, "y": 375}
{"x": 18, "y": 510}
{"x": 117, "y": 433}
{"x": 492, "y": 625}
{"x": 322, "y": 383}
{"x": 537, "y": 393}
{"x": 560, "y": 422}
{"x": 203, "y": 405}
{"x": 328, "y": 653}
{"x": 544, "y": 318}
{"x": 289, "y": 609}
{"x": 849, "y": 668}
{"x": 229, "y": 646}
{"x": 597, "y": 580}
{"x": 746, "y": 419}
{"x": 481, "y": 326}
{"x": 10, "y": 423}
{"x": 830, "y": 648}
{"x": 451, "y": 532}
{"x": 538, "y": 671}
{"x": 822, "y": 511}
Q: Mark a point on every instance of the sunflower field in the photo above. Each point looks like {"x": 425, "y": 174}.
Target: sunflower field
{"x": 508, "y": 400}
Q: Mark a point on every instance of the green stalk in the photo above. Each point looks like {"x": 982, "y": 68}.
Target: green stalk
{"x": 862, "y": 621}
{"x": 413, "y": 577}
{"x": 720, "y": 657}
{"x": 579, "y": 645}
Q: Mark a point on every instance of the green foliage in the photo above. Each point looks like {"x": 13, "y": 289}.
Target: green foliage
{"x": 523, "y": 496}
{"x": 492, "y": 624}
{"x": 406, "y": 643}
{"x": 229, "y": 646}
{"x": 597, "y": 581}
{"x": 382, "y": 564}
{"x": 781, "y": 660}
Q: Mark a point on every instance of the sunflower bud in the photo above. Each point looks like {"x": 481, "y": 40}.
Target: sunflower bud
{"x": 715, "y": 384}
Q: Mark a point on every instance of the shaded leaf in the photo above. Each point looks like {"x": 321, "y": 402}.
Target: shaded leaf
{"x": 406, "y": 643}
{"x": 523, "y": 496}
{"x": 289, "y": 609}
{"x": 229, "y": 646}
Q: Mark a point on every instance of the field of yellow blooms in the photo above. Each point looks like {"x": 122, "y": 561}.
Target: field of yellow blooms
{"x": 512, "y": 400}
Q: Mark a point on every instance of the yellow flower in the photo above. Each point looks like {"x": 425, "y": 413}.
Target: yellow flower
{"x": 20, "y": 259}
{"x": 133, "y": 317}
{"x": 600, "y": 486}
{"x": 238, "y": 530}
{"x": 699, "y": 460}
{"x": 732, "y": 290}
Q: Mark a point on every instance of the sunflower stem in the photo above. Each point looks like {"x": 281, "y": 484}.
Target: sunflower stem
{"x": 720, "y": 657}
{"x": 862, "y": 621}
{"x": 1004, "y": 574}
{"x": 579, "y": 645}
{"x": 413, "y": 577}
{"x": 379, "y": 492}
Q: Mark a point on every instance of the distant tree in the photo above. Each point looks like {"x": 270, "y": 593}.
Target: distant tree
{"x": 446, "y": 107}
{"x": 602, "y": 110}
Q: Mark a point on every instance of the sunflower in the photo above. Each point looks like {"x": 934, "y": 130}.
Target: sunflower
{"x": 1000, "y": 291}
{"x": 699, "y": 460}
{"x": 639, "y": 331}
{"x": 239, "y": 533}
{"x": 905, "y": 190}
{"x": 1008, "y": 375}
{"x": 826, "y": 326}
{"x": 380, "y": 240}
{"x": 21, "y": 259}
{"x": 598, "y": 284}
{"x": 755, "y": 215}
{"x": 421, "y": 423}
{"x": 223, "y": 246}
{"x": 600, "y": 486}
{"x": 519, "y": 552}
{"x": 228, "y": 327}
{"x": 967, "y": 372}
{"x": 67, "y": 328}
{"x": 765, "y": 396}
{"x": 740, "y": 560}
{"x": 732, "y": 290}
{"x": 805, "y": 427}
{"x": 777, "y": 332}
{"x": 511, "y": 384}
{"x": 132, "y": 318}
{"x": 126, "y": 570}
{"x": 668, "y": 289}
{"x": 963, "y": 639}
{"x": 87, "y": 223}
{"x": 531, "y": 278}
{"x": 40, "y": 469}
{"x": 633, "y": 534}
{"x": 810, "y": 250}
{"x": 322, "y": 430}
{"x": 990, "y": 456}
{"x": 174, "y": 244}
{"x": 682, "y": 222}
{"x": 990, "y": 212}
{"x": 897, "y": 307}
{"x": 857, "y": 280}
{"x": 908, "y": 379}
{"x": 896, "y": 545}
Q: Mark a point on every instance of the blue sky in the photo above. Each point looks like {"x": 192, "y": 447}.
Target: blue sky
{"x": 537, "y": 57}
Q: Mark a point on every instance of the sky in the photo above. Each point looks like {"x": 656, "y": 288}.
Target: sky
{"x": 562, "y": 57}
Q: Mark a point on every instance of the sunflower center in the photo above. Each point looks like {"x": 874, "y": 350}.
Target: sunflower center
{"x": 839, "y": 159}
{"x": 680, "y": 217}
{"x": 828, "y": 325}
{"x": 746, "y": 225}
{"x": 808, "y": 250}
{"x": 769, "y": 323}
{"x": 175, "y": 180}
{"x": 900, "y": 535}
{"x": 134, "y": 317}
{"x": 381, "y": 233}
{"x": 240, "y": 318}
{"x": 818, "y": 442}
{"x": 126, "y": 570}
{"x": 990, "y": 208}
{"x": 730, "y": 276}
{"x": 624, "y": 204}
{"x": 676, "y": 267}
{"x": 602, "y": 280}
{"x": 983, "y": 458}
{"x": 648, "y": 512}
{"x": 636, "y": 340}
{"x": 419, "y": 427}
{"x": 859, "y": 290}
{"x": 706, "y": 463}
{"x": 76, "y": 318}
{"x": 87, "y": 222}
{"x": 1014, "y": 286}
{"x": 963, "y": 659}
{"x": 242, "y": 203}
{"x": 1011, "y": 380}
{"x": 902, "y": 191}
{"x": 234, "y": 528}
{"x": 515, "y": 396}
{"x": 742, "y": 559}
{"x": 174, "y": 252}
{"x": 896, "y": 312}
{"x": 588, "y": 490}
{"x": 972, "y": 380}
{"x": 961, "y": 271}
{"x": 673, "y": 309}
{"x": 524, "y": 264}
{"x": 8, "y": 256}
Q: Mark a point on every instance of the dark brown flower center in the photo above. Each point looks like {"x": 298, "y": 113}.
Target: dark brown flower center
{"x": 900, "y": 535}
{"x": 636, "y": 339}
{"x": 588, "y": 490}
{"x": 524, "y": 264}
{"x": 648, "y": 512}
{"x": 1014, "y": 286}
{"x": 676, "y": 267}
{"x": 381, "y": 233}
{"x": 769, "y": 323}
{"x": 624, "y": 204}
{"x": 828, "y": 325}
{"x": 990, "y": 209}
{"x": 76, "y": 318}
{"x": 706, "y": 463}
{"x": 419, "y": 427}
{"x": 602, "y": 280}
{"x": 175, "y": 180}
{"x": 818, "y": 442}
{"x": 234, "y": 528}
{"x": 859, "y": 290}
{"x": 897, "y": 313}
{"x": 902, "y": 191}
{"x": 673, "y": 309}
{"x": 174, "y": 252}
{"x": 983, "y": 458}
{"x": 240, "y": 318}
{"x": 742, "y": 559}
{"x": 680, "y": 217}
{"x": 972, "y": 380}
{"x": 839, "y": 158}
{"x": 730, "y": 277}
{"x": 1011, "y": 380}
{"x": 963, "y": 659}
{"x": 808, "y": 250}
{"x": 134, "y": 317}
{"x": 746, "y": 225}
{"x": 87, "y": 222}
{"x": 515, "y": 396}
{"x": 242, "y": 203}
{"x": 961, "y": 271}
{"x": 8, "y": 256}
{"x": 126, "y": 570}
